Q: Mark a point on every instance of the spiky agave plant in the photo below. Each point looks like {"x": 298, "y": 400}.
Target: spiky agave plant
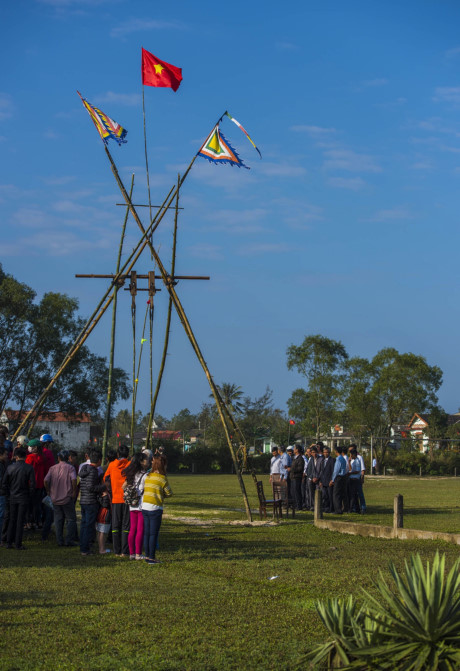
{"x": 414, "y": 628}
{"x": 351, "y": 628}
{"x": 421, "y": 618}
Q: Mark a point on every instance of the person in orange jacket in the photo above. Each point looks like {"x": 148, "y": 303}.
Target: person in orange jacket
{"x": 120, "y": 510}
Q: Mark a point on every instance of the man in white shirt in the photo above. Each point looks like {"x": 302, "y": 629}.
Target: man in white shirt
{"x": 275, "y": 464}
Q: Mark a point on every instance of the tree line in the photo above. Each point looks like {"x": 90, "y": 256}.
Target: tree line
{"x": 366, "y": 396}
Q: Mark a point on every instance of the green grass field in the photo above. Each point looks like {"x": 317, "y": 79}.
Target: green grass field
{"x": 210, "y": 604}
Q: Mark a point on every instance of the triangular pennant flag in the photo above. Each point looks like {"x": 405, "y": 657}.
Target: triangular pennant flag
{"x": 218, "y": 150}
{"x": 107, "y": 128}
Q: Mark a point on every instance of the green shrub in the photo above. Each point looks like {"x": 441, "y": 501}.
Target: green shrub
{"x": 415, "y": 626}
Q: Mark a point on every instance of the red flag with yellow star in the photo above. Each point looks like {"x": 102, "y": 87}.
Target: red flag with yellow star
{"x": 159, "y": 73}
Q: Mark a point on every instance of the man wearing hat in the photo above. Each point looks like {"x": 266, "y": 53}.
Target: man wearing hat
{"x": 61, "y": 485}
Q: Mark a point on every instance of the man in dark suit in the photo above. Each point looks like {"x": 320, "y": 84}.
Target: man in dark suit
{"x": 327, "y": 469}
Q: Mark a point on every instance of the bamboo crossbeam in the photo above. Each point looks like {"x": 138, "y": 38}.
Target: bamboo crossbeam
{"x": 139, "y": 205}
{"x": 120, "y": 277}
{"x": 140, "y": 289}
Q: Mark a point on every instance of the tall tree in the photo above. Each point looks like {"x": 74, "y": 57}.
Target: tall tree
{"x": 404, "y": 384}
{"x": 321, "y": 361}
{"x": 34, "y": 338}
{"x": 388, "y": 390}
{"x": 362, "y": 412}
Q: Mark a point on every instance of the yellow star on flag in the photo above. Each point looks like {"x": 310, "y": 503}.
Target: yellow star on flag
{"x": 158, "y": 69}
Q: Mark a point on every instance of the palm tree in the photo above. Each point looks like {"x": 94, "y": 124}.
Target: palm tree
{"x": 232, "y": 396}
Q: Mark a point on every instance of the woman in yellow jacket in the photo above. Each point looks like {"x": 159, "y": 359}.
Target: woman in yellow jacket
{"x": 156, "y": 489}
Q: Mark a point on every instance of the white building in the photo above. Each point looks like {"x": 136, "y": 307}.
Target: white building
{"x": 72, "y": 432}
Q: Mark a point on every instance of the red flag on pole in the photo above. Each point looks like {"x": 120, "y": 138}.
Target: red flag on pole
{"x": 159, "y": 73}
{"x": 291, "y": 422}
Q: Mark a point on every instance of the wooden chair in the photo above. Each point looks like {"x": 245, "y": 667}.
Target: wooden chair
{"x": 280, "y": 492}
{"x": 263, "y": 502}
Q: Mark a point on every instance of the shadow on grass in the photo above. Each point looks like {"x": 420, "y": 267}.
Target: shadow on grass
{"x": 178, "y": 542}
{"x": 226, "y": 544}
{"x": 8, "y": 599}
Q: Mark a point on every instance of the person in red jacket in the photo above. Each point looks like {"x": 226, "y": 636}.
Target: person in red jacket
{"x": 47, "y": 440}
{"x": 36, "y": 459}
{"x": 120, "y": 510}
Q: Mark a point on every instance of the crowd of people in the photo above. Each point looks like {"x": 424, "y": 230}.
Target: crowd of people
{"x": 125, "y": 499}
{"x": 340, "y": 479}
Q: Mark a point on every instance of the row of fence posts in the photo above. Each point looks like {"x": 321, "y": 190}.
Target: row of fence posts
{"x": 398, "y": 509}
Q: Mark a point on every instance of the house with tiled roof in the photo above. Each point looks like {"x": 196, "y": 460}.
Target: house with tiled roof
{"x": 74, "y": 432}
{"x": 418, "y": 427}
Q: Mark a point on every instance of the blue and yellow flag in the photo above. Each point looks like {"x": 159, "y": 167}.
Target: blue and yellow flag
{"x": 107, "y": 128}
{"x": 218, "y": 150}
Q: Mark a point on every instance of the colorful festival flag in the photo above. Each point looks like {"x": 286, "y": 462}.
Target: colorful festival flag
{"x": 159, "y": 73}
{"x": 107, "y": 128}
{"x": 244, "y": 131}
{"x": 218, "y": 150}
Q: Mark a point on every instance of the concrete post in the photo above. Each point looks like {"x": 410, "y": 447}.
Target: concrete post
{"x": 398, "y": 514}
{"x": 318, "y": 512}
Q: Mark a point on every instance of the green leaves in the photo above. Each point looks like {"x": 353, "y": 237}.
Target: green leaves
{"x": 413, "y": 626}
{"x": 321, "y": 361}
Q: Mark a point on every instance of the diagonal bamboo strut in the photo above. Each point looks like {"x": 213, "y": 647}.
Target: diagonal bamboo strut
{"x": 102, "y": 306}
{"x": 224, "y": 413}
{"x": 112, "y": 334}
{"x": 153, "y": 401}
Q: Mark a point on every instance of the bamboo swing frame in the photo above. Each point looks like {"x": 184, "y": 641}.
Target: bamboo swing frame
{"x": 226, "y": 417}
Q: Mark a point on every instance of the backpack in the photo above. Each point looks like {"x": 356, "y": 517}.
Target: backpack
{"x": 131, "y": 495}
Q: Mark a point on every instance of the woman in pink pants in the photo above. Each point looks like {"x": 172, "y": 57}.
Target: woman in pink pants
{"x": 133, "y": 489}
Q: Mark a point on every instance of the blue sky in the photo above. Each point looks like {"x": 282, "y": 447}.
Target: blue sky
{"x": 348, "y": 227}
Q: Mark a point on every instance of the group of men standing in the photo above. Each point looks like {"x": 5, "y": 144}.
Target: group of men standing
{"x": 340, "y": 479}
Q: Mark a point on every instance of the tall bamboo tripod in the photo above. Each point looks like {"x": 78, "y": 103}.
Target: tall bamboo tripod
{"x": 226, "y": 416}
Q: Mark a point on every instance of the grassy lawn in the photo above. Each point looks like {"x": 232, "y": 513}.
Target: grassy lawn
{"x": 210, "y": 604}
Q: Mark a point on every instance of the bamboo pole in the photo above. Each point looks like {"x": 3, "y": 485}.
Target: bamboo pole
{"x": 146, "y": 156}
{"x": 133, "y": 400}
{"x": 188, "y": 329}
{"x": 153, "y": 401}
{"x": 112, "y": 334}
{"x": 136, "y": 374}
